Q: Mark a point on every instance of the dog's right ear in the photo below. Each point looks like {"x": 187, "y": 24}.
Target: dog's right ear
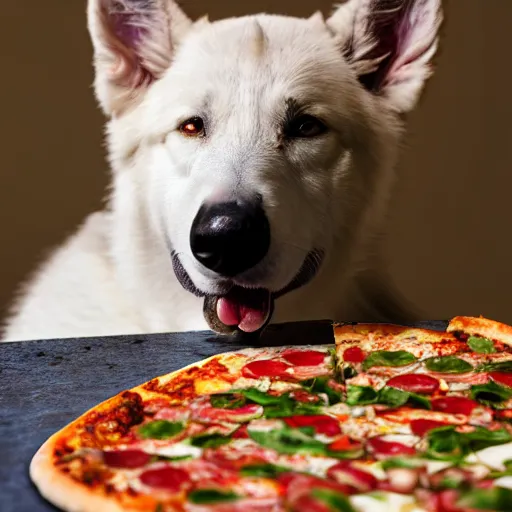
{"x": 133, "y": 43}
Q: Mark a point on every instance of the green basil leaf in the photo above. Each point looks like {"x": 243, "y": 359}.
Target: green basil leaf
{"x": 259, "y": 397}
{"x": 501, "y": 366}
{"x": 227, "y": 401}
{"x": 263, "y": 470}
{"x": 445, "y": 443}
{"x": 361, "y": 395}
{"x": 388, "y": 358}
{"x": 393, "y": 397}
{"x": 399, "y": 462}
{"x": 419, "y": 401}
{"x": 482, "y": 438}
{"x": 161, "y": 429}
{"x": 288, "y": 441}
{"x": 498, "y": 499}
{"x": 211, "y": 496}
{"x": 491, "y": 393}
{"x": 336, "y": 501}
{"x": 481, "y": 345}
{"x": 210, "y": 440}
{"x": 448, "y": 364}
{"x": 159, "y": 508}
{"x": 291, "y": 408}
{"x": 321, "y": 385}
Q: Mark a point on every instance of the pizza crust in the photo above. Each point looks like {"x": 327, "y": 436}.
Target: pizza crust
{"x": 61, "y": 490}
{"x": 71, "y": 496}
{"x": 479, "y": 326}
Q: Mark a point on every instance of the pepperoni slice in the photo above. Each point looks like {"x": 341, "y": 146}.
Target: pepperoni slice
{"x": 420, "y": 427}
{"x": 126, "y": 459}
{"x": 265, "y": 368}
{"x": 321, "y": 423}
{"x": 502, "y": 378}
{"x": 415, "y": 383}
{"x": 354, "y": 355}
{"x": 454, "y": 405}
{"x": 389, "y": 448}
{"x": 170, "y": 479}
{"x": 304, "y": 357}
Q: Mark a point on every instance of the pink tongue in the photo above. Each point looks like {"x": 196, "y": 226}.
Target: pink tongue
{"x": 249, "y": 319}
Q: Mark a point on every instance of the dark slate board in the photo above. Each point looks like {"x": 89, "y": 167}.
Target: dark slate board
{"x": 46, "y": 384}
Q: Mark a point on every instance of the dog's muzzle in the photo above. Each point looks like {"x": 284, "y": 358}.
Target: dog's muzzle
{"x": 245, "y": 309}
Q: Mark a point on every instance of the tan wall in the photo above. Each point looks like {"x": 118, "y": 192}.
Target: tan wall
{"x": 449, "y": 241}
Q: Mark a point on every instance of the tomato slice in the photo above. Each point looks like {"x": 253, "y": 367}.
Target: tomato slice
{"x": 502, "y": 378}
{"x": 354, "y": 355}
{"x": 168, "y": 478}
{"x": 265, "y": 368}
{"x": 415, "y": 383}
{"x": 454, "y": 405}
{"x": 389, "y": 448}
{"x": 420, "y": 427}
{"x": 321, "y": 423}
{"x": 126, "y": 459}
{"x": 304, "y": 357}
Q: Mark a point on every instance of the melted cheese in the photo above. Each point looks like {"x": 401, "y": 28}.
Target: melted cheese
{"x": 385, "y": 502}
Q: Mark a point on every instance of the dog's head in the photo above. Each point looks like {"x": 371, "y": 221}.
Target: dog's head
{"x": 257, "y": 144}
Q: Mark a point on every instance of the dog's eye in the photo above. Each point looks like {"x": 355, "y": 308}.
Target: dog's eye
{"x": 193, "y": 127}
{"x": 305, "y": 126}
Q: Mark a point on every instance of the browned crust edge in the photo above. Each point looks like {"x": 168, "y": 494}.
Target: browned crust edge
{"x": 358, "y": 332}
{"x": 480, "y": 326}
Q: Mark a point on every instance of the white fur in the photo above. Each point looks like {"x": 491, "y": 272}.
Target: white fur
{"x": 115, "y": 275}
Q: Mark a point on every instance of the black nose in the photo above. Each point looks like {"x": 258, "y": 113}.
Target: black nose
{"x": 230, "y": 238}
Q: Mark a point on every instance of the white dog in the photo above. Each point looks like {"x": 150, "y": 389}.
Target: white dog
{"x": 252, "y": 162}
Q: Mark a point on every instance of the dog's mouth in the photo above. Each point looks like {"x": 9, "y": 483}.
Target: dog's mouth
{"x": 246, "y": 309}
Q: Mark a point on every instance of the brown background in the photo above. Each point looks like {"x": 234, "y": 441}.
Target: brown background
{"x": 450, "y": 241}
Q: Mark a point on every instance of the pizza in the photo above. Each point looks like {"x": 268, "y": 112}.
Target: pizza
{"x": 387, "y": 418}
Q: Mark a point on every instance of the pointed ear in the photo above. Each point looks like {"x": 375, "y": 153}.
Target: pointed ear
{"x": 390, "y": 45}
{"x": 133, "y": 43}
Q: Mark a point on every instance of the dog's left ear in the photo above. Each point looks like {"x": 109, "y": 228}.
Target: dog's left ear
{"x": 390, "y": 44}
{"x": 134, "y": 42}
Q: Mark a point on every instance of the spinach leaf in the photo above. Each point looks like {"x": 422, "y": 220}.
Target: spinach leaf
{"x": 290, "y": 407}
{"x": 482, "y": 438}
{"x": 448, "y": 364}
{"x": 501, "y": 366}
{"x": 393, "y": 397}
{"x": 491, "y": 393}
{"x": 227, "y": 401}
{"x": 336, "y": 501}
{"x": 161, "y": 429}
{"x": 388, "y": 358}
{"x": 288, "y": 441}
{"x": 361, "y": 395}
{"x": 399, "y": 462}
{"x": 481, "y": 345}
{"x": 321, "y": 385}
{"x": 445, "y": 443}
{"x": 211, "y": 496}
{"x": 259, "y": 397}
{"x": 210, "y": 440}
{"x": 498, "y": 499}
{"x": 263, "y": 470}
